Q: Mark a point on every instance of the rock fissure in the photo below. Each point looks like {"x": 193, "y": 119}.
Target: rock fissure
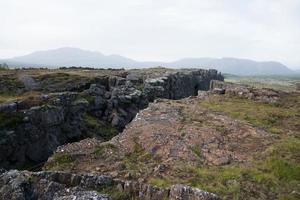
{"x": 34, "y": 128}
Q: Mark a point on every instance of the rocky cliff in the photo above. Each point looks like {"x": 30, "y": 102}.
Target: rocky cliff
{"x": 31, "y": 129}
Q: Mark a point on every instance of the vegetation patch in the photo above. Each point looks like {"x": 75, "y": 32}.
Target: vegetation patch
{"x": 7, "y": 98}
{"x": 139, "y": 155}
{"x": 103, "y": 149}
{"x": 114, "y": 192}
{"x": 282, "y": 83}
{"x": 272, "y": 117}
{"x": 61, "y": 81}
{"x": 95, "y": 127}
{"x": 274, "y": 173}
{"x": 196, "y": 150}
{"x": 60, "y": 161}
{"x": 159, "y": 182}
{"x": 10, "y": 85}
{"x": 138, "y": 162}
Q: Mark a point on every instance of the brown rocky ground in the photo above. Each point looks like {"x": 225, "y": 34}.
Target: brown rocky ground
{"x": 170, "y": 134}
{"x": 210, "y": 141}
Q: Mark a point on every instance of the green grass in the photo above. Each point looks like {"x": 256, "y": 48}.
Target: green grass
{"x": 196, "y": 150}
{"x": 60, "y": 161}
{"x": 132, "y": 160}
{"x": 138, "y": 163}
{"x": 114, "y": 192}
{"x": 275, "y": 172}
{"x": 101, "y": 150}
{"x": 271, "y": 117}
{"x": 271, "y": 174}
{"x": 60, "y": 81}
{"x": 7, "y": 98}
{"x": 159, "y": 182}
{"x": 140, "y": 87}
{"x": 95, "y": 127}
{"x": 10, "y": 85}
{"x": 282, "y": 83}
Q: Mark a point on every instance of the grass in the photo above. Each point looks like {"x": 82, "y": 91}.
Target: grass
{"x": 95, "y": 127}
{"x": 271, "y": 174}
{"x": 114, "y": 192}
{"x": 138, "y": 162}
{"x": 274, "y": 173}
{"x": 101, "y": 150}
{"x": 196, "y": 150}
{"x": 30, "y": 96}
{"x": 10, "y": 85}
{"x": 132, "y": 160}
{"x": 282, "y": 83}
{"x": 7, "y": 98}
{"x": 159, "y": 182}
{"x": 140, "y": 87}
{"x": 60, "y": 161}
{"x": 272, "y": 117}
{"x": 61, "y": 81}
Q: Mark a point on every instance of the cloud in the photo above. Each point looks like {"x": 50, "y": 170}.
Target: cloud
{"x": 155, "y": 29}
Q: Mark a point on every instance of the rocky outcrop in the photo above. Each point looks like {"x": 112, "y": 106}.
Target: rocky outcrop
{"x": 183, "y": 192}
{"x": 180, "y": 84}
{"x": 16, "y": 185}
{"x": 264, "y": 95}
{"x": 33, "y": 128}
{"x": 163, "y": 141}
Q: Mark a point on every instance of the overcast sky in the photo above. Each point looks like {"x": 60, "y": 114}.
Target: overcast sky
{"x": 156, "y": 30}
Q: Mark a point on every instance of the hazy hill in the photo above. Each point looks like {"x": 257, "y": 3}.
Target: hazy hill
{"x": 234, "y": 65}
{"x": 77, "y": 57}
{"x": 70, "y": 57}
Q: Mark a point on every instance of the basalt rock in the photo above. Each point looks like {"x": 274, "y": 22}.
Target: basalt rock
{"x": 182, "y": 192}
{"x": 24, "y": 185}
{"x": 180, "y": 84}
{"x": 33, "y": 128}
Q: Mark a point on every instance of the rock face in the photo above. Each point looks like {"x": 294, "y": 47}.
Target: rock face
{"x": 180, "y": 84}
{"x": 31, "y": 129}
{"x": 16, "y": 185}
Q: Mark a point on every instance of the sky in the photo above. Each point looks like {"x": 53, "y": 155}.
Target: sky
{"x": 155, "y": 30}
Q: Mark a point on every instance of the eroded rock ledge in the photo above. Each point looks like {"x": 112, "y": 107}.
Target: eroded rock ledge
{"x": 16, "y": 185}
{"x": 31, "y": 129}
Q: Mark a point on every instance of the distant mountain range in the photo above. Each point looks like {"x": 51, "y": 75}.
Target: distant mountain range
{"x": 77, "y": 57}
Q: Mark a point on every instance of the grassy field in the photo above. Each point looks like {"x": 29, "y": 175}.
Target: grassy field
{"x": 282, "y": 83}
